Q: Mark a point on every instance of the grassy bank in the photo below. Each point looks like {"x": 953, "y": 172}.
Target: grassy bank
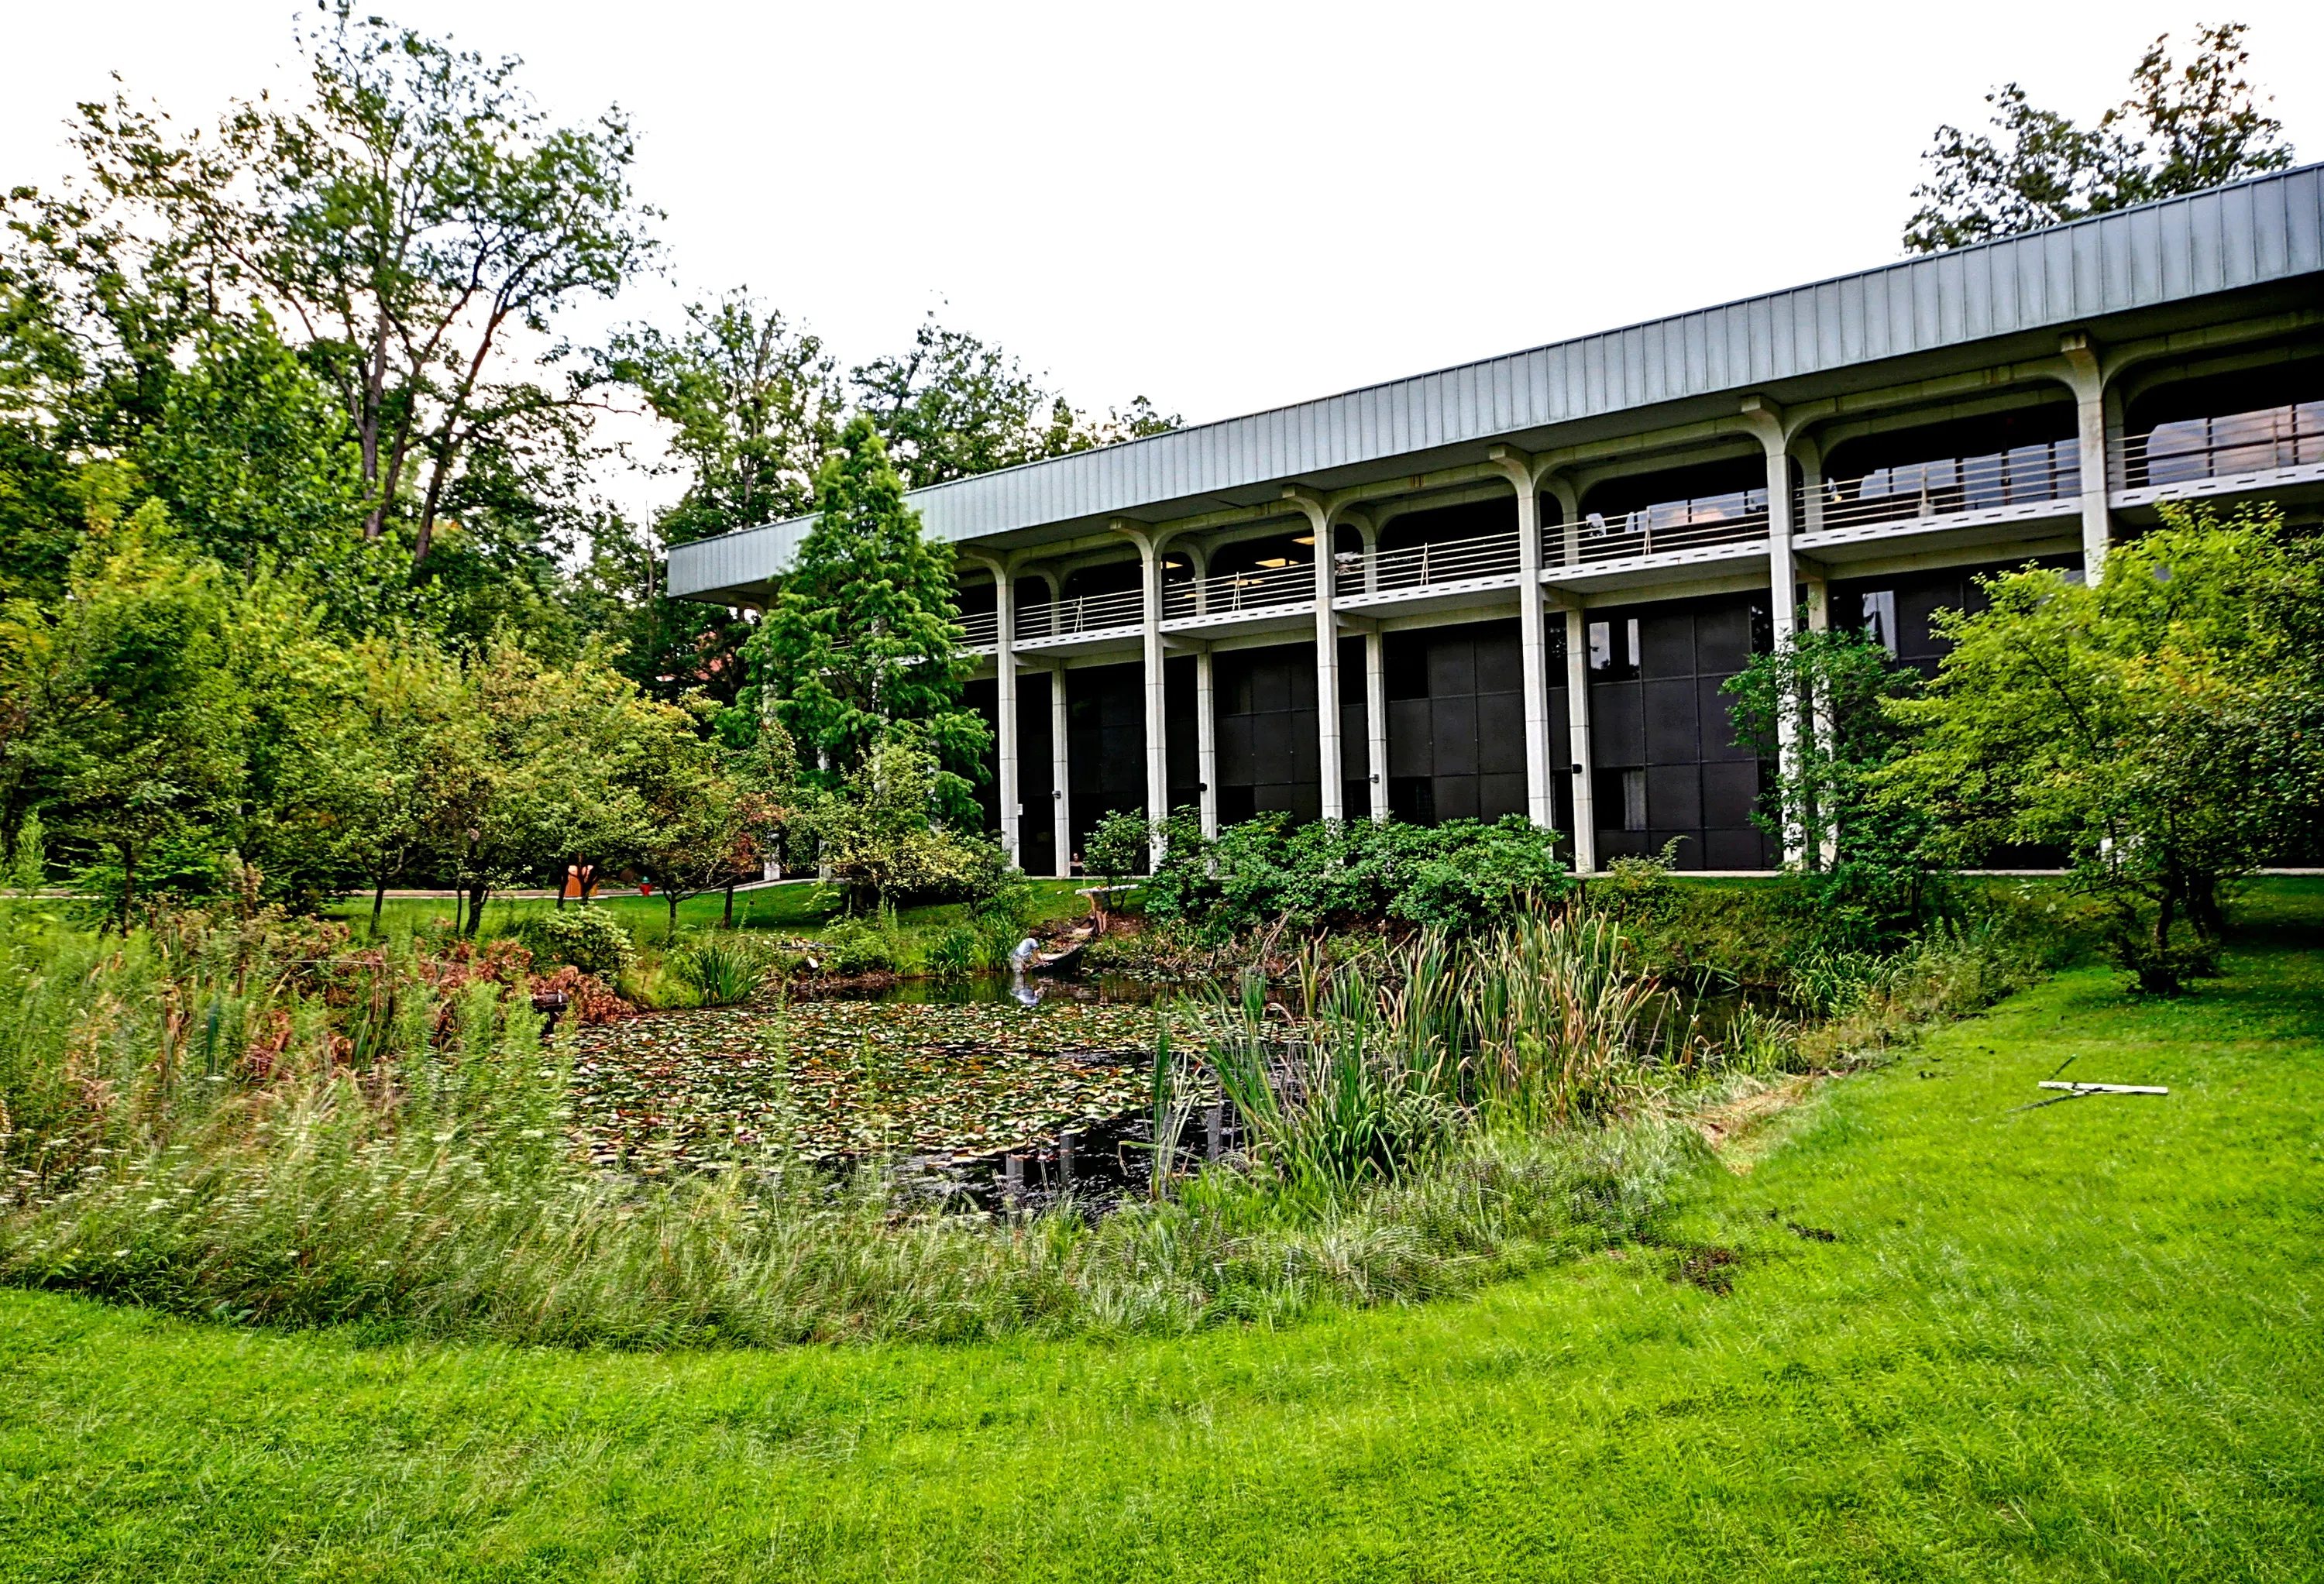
{"x": 2067, "y": 1343}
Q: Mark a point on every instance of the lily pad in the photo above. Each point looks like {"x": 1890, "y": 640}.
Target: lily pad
{"x": 824, "y": 1079}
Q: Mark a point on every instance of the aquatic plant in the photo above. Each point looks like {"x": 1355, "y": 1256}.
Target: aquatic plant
{"x": 721, "y": 970}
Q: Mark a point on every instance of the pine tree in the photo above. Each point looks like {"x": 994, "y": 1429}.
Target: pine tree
{"x": 862, "y": 644}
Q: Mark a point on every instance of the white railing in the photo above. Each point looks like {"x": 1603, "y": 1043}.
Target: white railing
{"x": 1428, "y": 565}
{"x": 1948, "y": 486}
{"x": 2192, "y": 449}
{"x": 980, "y": 630}
{"x": 1223, "y": 593}
{"x": 1657, "y": 529}
{"x": 1081, "y": 613}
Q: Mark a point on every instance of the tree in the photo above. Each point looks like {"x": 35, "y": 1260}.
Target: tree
{"x": 409, "y": 218}
{"x": 126, "y": 724}
{"x": 2165, "y": 727}
{"x": 955, "y": 405}
{"x": 405, "y": 761}
{"x": 863, "y": 638}
{"x": 252, "y": 452}
{"x": 876, "y": 834}
{"x": 1116, "y": 845}
{"x": 753, "y": 405}
{"x": 1828, "y": 692}
{"x": 554, "y": 782}
{"x": 43, "y": 391}
{"x": 696, "y": 829}
{"x": 2181, "y": 130}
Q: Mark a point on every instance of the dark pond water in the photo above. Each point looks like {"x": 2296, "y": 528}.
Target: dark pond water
{"x": 1000, "y": 990}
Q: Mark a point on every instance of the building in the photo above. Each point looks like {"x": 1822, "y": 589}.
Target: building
{"x": 1515, "y": 586}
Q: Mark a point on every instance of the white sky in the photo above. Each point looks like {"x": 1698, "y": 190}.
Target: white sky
{"x": 1221, "y": 206}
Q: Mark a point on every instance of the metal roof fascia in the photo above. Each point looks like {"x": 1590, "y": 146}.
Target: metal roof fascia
{"x": 2268, "y": 228}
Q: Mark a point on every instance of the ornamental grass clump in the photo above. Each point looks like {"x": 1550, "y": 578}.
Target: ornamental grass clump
{"x": 722, "y": 971}
{"x": 1390, "y": 1061}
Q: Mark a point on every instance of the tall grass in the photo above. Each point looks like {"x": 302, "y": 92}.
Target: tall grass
{"x": 1391, "y": 1058}
{"x": 721, "y": 970}
{"x": 246, "y": 1119}
{"x": 249, "y": 1119}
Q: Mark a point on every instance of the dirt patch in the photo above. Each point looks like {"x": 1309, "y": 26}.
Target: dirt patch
{"x": 1737, "y": 1132}
{"x": 1711, "y": 1267}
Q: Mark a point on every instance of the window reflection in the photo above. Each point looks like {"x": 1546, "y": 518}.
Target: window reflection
{"x": 1880, "y": 619}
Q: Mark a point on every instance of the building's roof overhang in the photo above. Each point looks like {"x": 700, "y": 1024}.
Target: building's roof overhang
{"x": 2138, "y": 273}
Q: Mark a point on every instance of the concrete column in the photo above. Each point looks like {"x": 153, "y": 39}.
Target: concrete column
{"x": 1158, "y": 742}
{"x": 1061, "y": 780}
{"x": 1376, "y": 720}
{"x": 1327, "y": 660}
{"x": 1815, "y": 588}
{"x": 1005, "y": 656}
{"x": 1370, "y": 529}
{"x": 1569, "y": 516}
{"x": 1809, "y": 457}
{"x": 1577, "y": 716}
{"x": 2088, "y": 380}
{"x": 1206, "y": 740}
{"x": 1766, "y": 421}
{"x": 1533, "y": 640}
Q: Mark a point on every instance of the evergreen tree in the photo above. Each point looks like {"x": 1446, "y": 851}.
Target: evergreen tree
{"x": 862, "y": 643}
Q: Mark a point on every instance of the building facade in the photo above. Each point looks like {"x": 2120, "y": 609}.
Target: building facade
{"x": 1516, "y": 586}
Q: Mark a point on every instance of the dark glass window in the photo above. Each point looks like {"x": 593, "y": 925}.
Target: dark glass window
{"x": 1614, "y": 649}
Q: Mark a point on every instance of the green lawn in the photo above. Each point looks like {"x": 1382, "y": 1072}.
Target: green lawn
{"x": 2079, "y": 1342}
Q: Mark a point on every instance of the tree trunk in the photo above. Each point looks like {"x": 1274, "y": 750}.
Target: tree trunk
{"x": 2203, "y": 910}
{"x": 378, "y": 902}
{"x": 476, "y": 893}
{"x": 728, "y": 922}
{"x": 671, "y": 934}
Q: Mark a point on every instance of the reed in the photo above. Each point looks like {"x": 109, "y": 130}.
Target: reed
{"x": 1388, "y": 1061}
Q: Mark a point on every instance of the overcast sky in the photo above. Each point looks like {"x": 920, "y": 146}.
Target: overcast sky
{"x": 1223, "y": 207}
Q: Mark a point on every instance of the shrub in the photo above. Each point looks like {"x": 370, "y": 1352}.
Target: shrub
{"x": 994, "y": 888}
{"x": 589, "y": 939}
{"x": 1461, "y": 875}
{"x": 1116, "y": 847}
{"x": 856, "y": 946}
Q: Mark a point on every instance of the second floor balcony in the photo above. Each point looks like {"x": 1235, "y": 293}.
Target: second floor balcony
{"x": 2271, "y": 441}
{"x": 2255, "y": 453}
{"x": 2013, "y": 482}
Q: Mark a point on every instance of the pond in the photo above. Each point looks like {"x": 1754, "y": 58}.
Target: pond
{"x": 936, "y": 1074}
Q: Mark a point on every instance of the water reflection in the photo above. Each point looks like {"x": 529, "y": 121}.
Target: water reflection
{"x": 1016, "y": 987}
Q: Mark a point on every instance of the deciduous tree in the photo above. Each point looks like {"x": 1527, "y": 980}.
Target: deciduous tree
{"x": 2165, "y": 728}
{"x": 2180, "y": 129}
{"x": 411, "y": 216}
{"x": 955, "y": 405}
